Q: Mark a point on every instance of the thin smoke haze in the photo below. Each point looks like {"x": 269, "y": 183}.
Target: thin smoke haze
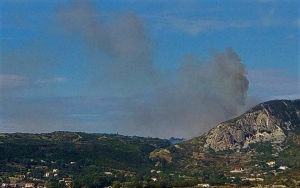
{"x": 123, "y": 44}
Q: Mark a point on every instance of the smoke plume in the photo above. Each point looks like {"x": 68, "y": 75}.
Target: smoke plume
{"x": 132, "y": 95}
{"x": 118, "y": 46}
{"x": 202, "y": 96}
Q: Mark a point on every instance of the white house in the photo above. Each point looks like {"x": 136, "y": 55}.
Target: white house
{"x": 203, "y": 185}
{"x": 29, "y": 185}
{"x": 271, "y": 163}
{"x": 108, "y": 173}
{"x": 283, "y": 167}
{"x": 253, "y": 179}
{"x": 237, "y": 170}
{"x": 55, "y": 170}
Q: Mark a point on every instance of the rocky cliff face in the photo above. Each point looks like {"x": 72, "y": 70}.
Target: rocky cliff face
{"x": 270, "y": 121}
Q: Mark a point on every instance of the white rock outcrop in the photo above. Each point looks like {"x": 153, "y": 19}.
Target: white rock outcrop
{"x": 268, "y": 121}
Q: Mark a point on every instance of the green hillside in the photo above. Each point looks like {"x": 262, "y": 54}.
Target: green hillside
{"x": 80, "y": 156}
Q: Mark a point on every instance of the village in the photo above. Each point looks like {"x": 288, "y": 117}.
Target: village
{"x": 42, "y": 176}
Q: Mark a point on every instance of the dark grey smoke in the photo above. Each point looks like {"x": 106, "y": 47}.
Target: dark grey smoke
{"x": 202, "y": 96}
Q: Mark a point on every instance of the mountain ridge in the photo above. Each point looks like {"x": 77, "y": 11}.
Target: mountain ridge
{"x": 244, "y": 146}
{"x": 268, "y": 121}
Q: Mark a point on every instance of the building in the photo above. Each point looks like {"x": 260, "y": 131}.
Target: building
{"x": 271, "y": 163}
{"x": 29, "y": 185}
{"x": 55, "y": 170}
{"x": 108, "y": 173}
{"x": 253, "y": 179}
{"x": 203, "y": 185}
{"x": 47, "y": 174}
{"x": 237, "y": 170}
{"x": 283, "y": 167}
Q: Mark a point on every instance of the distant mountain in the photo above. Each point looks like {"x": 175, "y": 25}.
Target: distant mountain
{"x": 176, "y": 140}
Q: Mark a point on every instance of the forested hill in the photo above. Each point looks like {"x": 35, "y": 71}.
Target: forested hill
{"x": 75, "y": 154}
{"x": 108, "y": 150}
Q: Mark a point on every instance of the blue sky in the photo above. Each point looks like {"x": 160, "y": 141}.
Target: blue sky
{"x": 151, "y": 68}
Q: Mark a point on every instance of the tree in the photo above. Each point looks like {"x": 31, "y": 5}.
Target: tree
{"x": 116, "y": 184}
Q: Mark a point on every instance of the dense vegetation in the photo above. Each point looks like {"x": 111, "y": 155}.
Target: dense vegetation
{"x": 84, "y": 157}
{"x": 99, "y": 160}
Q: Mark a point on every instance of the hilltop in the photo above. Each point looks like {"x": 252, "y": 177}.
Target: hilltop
{"x": 271, "y": 121}
{"x": 268, "y": 132}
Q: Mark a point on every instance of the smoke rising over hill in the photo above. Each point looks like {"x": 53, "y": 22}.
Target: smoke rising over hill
{"x": 132, "y": 95}
{"x": 199, "y": 96}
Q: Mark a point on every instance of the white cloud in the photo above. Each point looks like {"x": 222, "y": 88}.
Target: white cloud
{"x": 52, "y": 80}
{"x": 15, "y": 82}
{"x": 196, "y": 26}
{"x": 215, "y": 21}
